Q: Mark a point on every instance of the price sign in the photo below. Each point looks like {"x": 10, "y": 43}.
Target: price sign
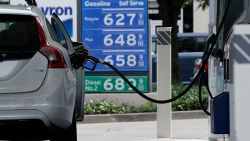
{"x": 116, "y": 31}
{"x": 116, "y": 39}
{"x": 109, "y": 84}
{"x": 126, "y": 60}
{"x": 111, "y": 18}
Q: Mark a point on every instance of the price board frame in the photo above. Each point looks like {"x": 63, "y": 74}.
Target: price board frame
{"x": 120, "y": 28}
{"x": 117, "y": 32}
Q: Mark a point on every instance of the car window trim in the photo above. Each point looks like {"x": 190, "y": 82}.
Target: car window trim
{"x": 51, "y": 31}
{"x": 56, "y": 19}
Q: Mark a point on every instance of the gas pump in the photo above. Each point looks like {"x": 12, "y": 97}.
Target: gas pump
{"x": 229, "y": 68}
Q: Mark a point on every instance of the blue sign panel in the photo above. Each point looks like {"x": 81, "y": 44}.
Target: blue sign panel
{"x": 125, "y": 60}
{"x": 116, "y": 31}
{"x": 116, "y": 39}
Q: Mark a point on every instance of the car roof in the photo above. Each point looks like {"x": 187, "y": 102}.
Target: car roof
{"x": 19, "y": 10}
{"x": 193, "y": 34}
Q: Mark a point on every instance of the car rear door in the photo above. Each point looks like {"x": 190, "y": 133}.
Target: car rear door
{"x": 65, "y": 40}
{"x": 22, "y": 67}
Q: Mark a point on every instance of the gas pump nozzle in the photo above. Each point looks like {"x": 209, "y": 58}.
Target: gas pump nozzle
{"x": 81, "y": 54}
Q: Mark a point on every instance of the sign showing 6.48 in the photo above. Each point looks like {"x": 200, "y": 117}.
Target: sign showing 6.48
{"x": 116, "y": 39}
{"x": 116, "y": 31}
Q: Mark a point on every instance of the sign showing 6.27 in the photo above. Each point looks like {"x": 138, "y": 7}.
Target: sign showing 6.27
{"x": 116, "y": 31}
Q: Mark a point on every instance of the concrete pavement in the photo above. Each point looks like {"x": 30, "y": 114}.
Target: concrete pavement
{"x": 182, "y": 130}
{"x": 134, "y": 117}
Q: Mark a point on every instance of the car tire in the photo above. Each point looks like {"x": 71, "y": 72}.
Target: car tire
{"x": 69, "y": 134}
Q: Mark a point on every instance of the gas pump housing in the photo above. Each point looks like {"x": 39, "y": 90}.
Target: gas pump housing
{"x": 229, "y": 108}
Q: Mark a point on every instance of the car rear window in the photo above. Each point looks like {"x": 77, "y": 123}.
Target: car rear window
{"x": 192, "y": 44}
{"x": 18, "y": 33}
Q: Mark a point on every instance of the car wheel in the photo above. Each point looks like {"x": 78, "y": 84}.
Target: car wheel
{"x": 69, "y": 134}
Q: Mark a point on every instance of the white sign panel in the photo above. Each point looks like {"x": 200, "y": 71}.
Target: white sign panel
{"x": 65, "y": 9}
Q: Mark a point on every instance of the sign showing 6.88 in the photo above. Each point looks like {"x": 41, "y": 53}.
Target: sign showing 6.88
{"x": 116, "y": 31}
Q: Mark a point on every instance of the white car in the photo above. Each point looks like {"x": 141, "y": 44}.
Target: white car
{"x": 41, "y": 90}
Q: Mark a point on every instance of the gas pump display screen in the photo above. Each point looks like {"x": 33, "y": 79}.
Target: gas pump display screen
{"x": 117, "y": 32}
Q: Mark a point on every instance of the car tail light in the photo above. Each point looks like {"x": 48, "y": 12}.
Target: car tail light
{"x": 54, "y": 55}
